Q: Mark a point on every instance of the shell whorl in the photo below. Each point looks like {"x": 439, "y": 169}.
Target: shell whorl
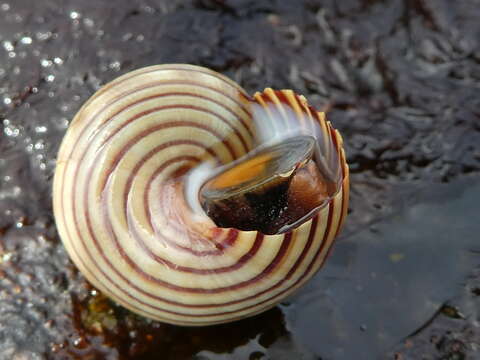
{"x": 118, "y": 211}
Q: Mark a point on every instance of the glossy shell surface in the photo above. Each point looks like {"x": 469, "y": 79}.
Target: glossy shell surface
{"x": 121, "y": 213}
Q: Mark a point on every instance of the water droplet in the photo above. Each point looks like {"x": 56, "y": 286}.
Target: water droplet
{"x": 50, "y": 78}
{"x": 11, "y": 131}
{"x": 88, "y": 22}
{"x": 75, "y": 15}
{"x": 40, "y": 144}
{"x": 27, "y": 40}
{"x": 46, "y": 63}
{"x": 115, "y": 65}
{"x": 7, "y": 101}
{"x": 8, "y": 45}
{"x": 40, "y": 129}
{"x": 44, "y": 35}
{"x": 5, "y": 7}
{"x": 58, "y": 61}
{"x": 62, "y": 122}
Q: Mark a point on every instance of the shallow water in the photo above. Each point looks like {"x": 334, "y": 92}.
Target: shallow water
{"x": 385, "y": 282}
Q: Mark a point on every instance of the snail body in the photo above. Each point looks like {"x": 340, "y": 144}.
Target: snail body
{"x": 127, "y": 205}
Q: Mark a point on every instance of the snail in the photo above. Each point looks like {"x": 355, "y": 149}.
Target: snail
{"x": 189, "y": 202}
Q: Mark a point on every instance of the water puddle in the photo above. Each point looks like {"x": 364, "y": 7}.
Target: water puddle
{"x": 383, "y": 283}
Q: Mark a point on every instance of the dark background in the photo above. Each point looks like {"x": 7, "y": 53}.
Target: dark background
{"x": 399, "y": 79}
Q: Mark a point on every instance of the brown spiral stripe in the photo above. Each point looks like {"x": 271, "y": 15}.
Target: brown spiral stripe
{"x": 124, "y": 224}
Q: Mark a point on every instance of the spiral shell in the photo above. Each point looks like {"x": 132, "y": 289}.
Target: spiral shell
{"x": 129, "y": 228}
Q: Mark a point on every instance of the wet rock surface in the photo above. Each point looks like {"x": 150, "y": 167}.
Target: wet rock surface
{"x": 399, "y": 79}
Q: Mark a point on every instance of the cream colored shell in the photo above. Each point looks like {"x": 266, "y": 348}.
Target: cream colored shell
{"x": 123, "y": 225}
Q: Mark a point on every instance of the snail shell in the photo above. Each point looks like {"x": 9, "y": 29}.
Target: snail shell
{"x": 136, "y": 236}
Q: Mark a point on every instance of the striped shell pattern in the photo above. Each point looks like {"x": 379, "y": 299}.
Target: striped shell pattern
{"x": 133, "y": 236}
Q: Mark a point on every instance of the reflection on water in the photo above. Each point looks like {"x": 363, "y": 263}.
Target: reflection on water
{"x": 383, "y": 283}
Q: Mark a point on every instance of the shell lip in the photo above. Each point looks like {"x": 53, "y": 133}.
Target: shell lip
{"x": 267, "y": 162}
{"x": 273, "y": 190}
